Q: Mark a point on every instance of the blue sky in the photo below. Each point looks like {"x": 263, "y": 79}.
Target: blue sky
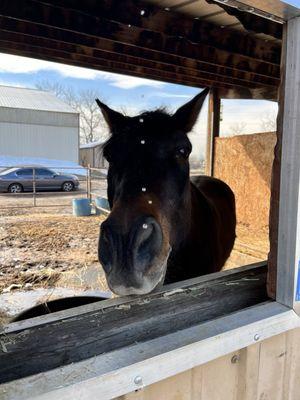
{"x": 134, "y": 94}
{"x": 295, "y": 3}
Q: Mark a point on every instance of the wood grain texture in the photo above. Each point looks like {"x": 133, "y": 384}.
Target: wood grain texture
{"x": 268, "y": 370}
{"x": 157, "y": 45}
{"x": 62, "y": 342}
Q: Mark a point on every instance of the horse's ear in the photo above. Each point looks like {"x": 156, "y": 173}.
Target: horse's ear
{"x": 113, "y": 118}
{"x": 186, "y": 116}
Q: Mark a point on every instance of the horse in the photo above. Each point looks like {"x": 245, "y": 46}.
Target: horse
{"x": 163, "y": 227}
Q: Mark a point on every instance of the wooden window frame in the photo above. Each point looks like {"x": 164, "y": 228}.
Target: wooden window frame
{"x": 144, "y": 363}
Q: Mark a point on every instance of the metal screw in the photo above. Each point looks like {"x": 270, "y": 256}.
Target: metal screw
{"x": 235, "y": 359}
{"x": 256, "y": 337}
{"x": 145, "y": 226}
{"x": 138, "y": 380}
{"x": 143, "y": 141}
{"x": 144, "y": 189}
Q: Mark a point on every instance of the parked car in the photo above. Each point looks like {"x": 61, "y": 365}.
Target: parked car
{"x": 17, "y": 180}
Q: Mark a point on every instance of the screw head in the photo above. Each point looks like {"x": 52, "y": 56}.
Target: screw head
{"x": 138, "y": 380}
{"x": 235, "y": 359}
{"x": 256, "y": 337}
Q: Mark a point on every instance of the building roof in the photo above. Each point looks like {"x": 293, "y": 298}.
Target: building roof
{"x": 32, "y": 99}
{"x": 92, "y": 144}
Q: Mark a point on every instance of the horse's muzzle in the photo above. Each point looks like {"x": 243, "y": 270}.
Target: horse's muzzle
{"x": 128, "y": 255}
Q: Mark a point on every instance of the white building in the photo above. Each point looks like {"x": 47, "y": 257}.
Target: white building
{"x": 35, "y": 123}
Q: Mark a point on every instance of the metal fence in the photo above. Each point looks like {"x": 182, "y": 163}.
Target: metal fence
{"x": 92, "y": 183}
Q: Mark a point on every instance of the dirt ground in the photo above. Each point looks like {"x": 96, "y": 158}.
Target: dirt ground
{"x": 50, "y": 247}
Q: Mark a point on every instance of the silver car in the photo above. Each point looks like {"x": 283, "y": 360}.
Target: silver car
{"x": 17, "y": 180}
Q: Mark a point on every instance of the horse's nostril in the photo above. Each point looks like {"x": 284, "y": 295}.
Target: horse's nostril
{"x": 147, "y": 243}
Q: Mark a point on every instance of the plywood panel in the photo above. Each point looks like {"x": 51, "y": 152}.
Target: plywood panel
{"x": 269, "y": 370}
{"x": 291, "y": 388}
{"x": 219, "y": 379}
{"x": 244, "y": 162}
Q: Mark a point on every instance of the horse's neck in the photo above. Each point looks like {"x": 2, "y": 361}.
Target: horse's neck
{"x": 191, "y": 237}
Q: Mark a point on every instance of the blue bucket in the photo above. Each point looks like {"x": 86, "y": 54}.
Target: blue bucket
{"x": 101, "y": 202}
{"x": 81, "y": 207}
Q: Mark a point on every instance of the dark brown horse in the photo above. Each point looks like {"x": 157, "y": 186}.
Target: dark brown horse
{"x": 163, "y": 227}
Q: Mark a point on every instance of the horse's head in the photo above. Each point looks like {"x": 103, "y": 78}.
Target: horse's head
{"x": 148, "y": 192}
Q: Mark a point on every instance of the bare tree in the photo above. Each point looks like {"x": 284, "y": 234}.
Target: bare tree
{"x": 268, "y": 122}
{"x": 92, "y": 124}
{"x": 238, "y": 128}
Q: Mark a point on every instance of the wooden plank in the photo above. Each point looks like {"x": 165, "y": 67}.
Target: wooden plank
{"x": 23, "y": 32}
{"x": 213, "y": 129}
{"x": 271, "y": 368}
{"x": 213, "y": 372}
{"x": 102, "y": 305}
{"x": 156, "y": 19}
{"x": 288, "y": 266}
{"x": 113, "y": 374}
{"x": 267, "y": 370}
{"x": 248, "y": 361}
{"x": 76, "y": 21}
{"x": 142, "y": 319}
{"x": 97, "y": 58}
{"x": 275, "y": 182}
{"x": 292, "y": 366}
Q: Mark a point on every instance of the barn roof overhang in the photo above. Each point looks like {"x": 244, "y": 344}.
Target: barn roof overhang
{"x": 227, "y": 45}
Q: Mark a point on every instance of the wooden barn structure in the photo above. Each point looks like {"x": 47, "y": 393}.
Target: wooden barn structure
{"x": 91, "y": 154}
{"x": 230, "y": 335}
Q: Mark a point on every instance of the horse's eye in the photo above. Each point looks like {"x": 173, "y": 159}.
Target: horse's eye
{"x": 182, "y": 152}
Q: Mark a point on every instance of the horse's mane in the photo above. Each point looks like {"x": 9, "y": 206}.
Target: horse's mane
{"x": 159, "y": 116}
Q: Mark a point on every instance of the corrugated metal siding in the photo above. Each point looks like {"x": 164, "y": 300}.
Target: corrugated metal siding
{"x": 38, "y": 117}
{"x": 32, "y": 99}
{"x": 30, "y": 140}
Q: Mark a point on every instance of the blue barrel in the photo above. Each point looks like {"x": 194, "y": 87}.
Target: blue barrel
{"x": 101, "y": 202}
{"x": 81, "y": 207}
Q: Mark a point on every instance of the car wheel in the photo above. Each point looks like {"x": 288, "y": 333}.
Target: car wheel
{"x": 15, "y": 188}
{"x": 67, "y": 186}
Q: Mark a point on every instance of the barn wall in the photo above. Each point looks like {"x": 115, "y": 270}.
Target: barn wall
{"x": 245, "y": 163}
{"x": 40, "y": 117}
{"x": 269, "y": 370}
{"x": 92, "y": 156}
{"x": 37, "y": 140}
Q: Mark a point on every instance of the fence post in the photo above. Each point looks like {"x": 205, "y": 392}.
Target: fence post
{"x": 90, "y": 183}
{"x": 34, "y": 187}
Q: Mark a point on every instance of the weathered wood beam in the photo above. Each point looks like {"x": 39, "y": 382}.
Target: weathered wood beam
{"x": 226, "y": 90}
{"x": 77, "y": 21}
{"x": 213, "y": 129}
{"x": 153, "y": 18}
{"x": 93, "y": 55}
{"x": 108, "y": 65}
{"x": 90, "y": 44}
{"x": 110, "y": 327}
